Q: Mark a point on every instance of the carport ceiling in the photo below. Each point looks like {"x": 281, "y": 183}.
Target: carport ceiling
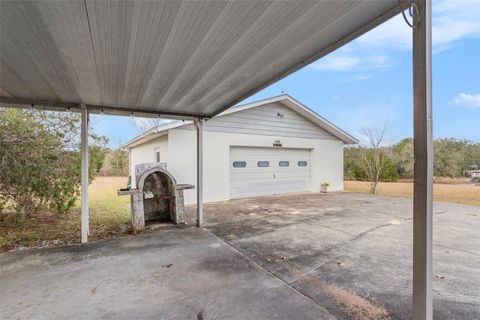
{"x": 184, "y": 58}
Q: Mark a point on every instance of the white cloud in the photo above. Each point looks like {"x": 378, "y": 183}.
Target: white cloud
{"x": 344, "y": 60}
{"x": 363, "y": 76}
{"x": 467, "y": 100}
{"x": 337, "y": 63}
{"x": 452, "y": 21}
{"x": 393, "y": 34}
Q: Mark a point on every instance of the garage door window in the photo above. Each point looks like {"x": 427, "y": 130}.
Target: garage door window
{"x": 284, "y": 164}
{"x": 263, "y": 164}
{"x": 239, "y": 164}
{"x": 302, "y": 163}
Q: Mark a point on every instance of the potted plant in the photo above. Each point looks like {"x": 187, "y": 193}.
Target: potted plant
{"x": 324, "y": 187}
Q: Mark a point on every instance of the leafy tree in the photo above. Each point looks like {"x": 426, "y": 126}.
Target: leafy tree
{"x": 116, "y": 163}
{"x": 120, "y": 162}
{"x": 350, "y": 168}
{"x": 450, "y": 157}
{"x": 453, "y": 158}
{"x": 387, "y": 173}
{"x": 472, "y": 157}
{"x": 402, "y": 154}
{"x": 40, "y": 161}
{"x": 354, "y": 171}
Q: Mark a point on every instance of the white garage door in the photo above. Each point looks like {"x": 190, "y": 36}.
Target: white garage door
{"x": 265, "y": 171}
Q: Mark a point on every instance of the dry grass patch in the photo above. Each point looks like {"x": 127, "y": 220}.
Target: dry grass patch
{"x": 109, "y": 217}
{"x": 464, "y": 194}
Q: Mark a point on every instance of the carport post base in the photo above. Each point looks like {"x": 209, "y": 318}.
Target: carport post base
{"x": 138, "y": 213}
{"x": 423, "y": 151}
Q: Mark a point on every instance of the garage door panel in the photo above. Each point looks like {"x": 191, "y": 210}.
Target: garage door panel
{"x": 261, "y": 190}
{"x": 291, "y": 178}
{"x": 250, "y": 180}
{"x": 247, "y": 184}
{"x": 268, "y": 175}
{"x": 295, "y": 186}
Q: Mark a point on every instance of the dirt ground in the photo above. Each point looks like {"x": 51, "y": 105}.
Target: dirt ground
{"x": 463, "y": 194}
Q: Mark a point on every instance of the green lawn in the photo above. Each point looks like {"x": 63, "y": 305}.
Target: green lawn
{"x": 106, "y": 207}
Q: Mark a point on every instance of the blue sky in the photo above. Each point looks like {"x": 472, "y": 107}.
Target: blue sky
{"x": 369, "y": 82}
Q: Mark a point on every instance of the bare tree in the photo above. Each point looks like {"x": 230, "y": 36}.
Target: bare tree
{"x": 373, "y": 158}
{"x": 145, "y": 124}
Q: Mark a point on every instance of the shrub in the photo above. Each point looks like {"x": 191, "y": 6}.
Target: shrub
{"x": 40, "y": 161}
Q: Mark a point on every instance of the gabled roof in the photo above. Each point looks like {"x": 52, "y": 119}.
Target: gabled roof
{"x": 155, "y": 133}
{"x": 284, "y": 99}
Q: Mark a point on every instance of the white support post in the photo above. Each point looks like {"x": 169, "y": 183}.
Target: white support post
{"x": 199, "y": 125}
{"x": 84, "y": 189}
{"x": 423, "y": 151}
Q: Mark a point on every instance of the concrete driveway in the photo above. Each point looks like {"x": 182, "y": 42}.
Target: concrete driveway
{"x": 174, "y": 273}
{"x": 302, "y": 256}
{"x": 352, "y": 253}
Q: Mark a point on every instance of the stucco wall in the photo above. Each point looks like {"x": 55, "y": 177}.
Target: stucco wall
{"x": 145, "y": 153}
{"x": 327, "y": 159}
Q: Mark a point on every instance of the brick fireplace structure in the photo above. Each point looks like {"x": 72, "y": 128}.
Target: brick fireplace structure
{"x": 158, "y": 198}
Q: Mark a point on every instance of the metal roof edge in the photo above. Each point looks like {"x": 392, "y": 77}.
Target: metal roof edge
{"x": 154, "y": 132}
